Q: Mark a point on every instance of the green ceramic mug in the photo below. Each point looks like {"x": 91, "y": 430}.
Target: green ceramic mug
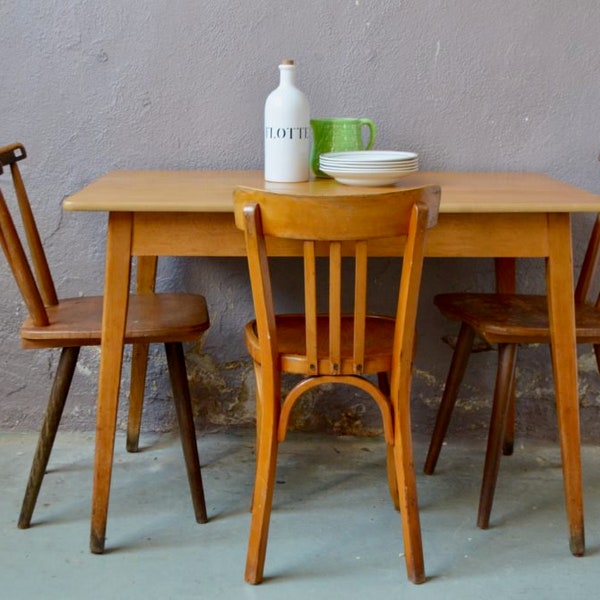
{"x": 338, "y": 135}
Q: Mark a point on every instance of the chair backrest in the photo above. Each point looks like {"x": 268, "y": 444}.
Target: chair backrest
{"x": 589, "y": 268}
{"x": 33, "y": 278}
{"x": 335, "y": 227}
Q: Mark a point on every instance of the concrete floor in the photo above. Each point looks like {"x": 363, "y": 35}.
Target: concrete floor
{"x": 334, "y": 533}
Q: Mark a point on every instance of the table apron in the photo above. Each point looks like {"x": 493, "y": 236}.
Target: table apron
{"x": 457, "y": 234}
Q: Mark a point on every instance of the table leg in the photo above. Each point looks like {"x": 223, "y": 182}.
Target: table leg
{"x": 559, "y": 278}
{"x": 146, "y": 276}
{"x": 116, "y": 296}
{"x": 506, "y": 275}
{"x": 506, "y": 283}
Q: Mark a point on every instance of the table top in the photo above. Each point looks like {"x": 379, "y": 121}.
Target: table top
{"x": 211, "y": 191}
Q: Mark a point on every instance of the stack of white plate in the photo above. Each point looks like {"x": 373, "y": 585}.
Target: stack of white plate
{"x": 369, "y": 167}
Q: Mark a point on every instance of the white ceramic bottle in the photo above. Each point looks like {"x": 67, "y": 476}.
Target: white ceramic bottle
{"x": 287, "y": 129}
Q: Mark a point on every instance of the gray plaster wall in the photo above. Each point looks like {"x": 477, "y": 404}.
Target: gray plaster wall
{"x": 468, "y": 84}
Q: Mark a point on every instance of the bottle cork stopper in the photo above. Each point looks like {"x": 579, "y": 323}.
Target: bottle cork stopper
{"x": 287, "y": 61}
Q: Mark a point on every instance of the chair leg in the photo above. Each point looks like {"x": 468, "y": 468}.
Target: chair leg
{"x": 508, "y": 443}
{"x": 505, "y": 381}
{"x": 258, "y": 379}
{"x": 597, "y": 354}
{"x": 383, "y": 381}
{"x": 391, "y": 476}
{"x": 456, "y": 373}
{"x": 139, "y": 363}
{"x": 183, "y": 406}
{"x": 56, "y": 404}
{"x": 266, "y": 466}
{"x": 407, "y": 484}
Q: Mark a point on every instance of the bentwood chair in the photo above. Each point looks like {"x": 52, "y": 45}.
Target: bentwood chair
{"x": 334, "y": 347}
{"x": 71, "y": 323}
{"x": 507, "y": 320}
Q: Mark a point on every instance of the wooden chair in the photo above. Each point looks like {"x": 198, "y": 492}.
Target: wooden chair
{"x": 507, "y": 320}
{"x": 335, "y": 348}
{"x": 72, "y": 323}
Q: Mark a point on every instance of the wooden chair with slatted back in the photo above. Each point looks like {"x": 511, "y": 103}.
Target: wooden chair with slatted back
{"x": 71, "y": 323}
{"x": 335, "y": 347}
{"x": 507, "y": 320}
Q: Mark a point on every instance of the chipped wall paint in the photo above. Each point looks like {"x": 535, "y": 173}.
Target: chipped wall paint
{"x": 136, "y": 85}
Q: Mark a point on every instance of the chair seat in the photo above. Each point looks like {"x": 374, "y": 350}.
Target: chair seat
{"x": 150, "y": 318}
{"x": 291, "y": 341}
{"x": 514, "y": 318}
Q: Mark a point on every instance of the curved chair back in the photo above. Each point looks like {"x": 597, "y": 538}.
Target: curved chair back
{"x": 335, "y": 227}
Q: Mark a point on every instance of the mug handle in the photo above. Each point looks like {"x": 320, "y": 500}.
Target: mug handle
{"x": 372, "y": 131}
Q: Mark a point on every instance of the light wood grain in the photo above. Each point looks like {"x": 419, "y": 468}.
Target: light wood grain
{"x": 211, "y": 191}
{"x": 333, "y": 347}
{"x": 500, "y": 215}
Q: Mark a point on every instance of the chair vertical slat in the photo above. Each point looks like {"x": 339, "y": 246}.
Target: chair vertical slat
{"x": 38, "y": 256}
{"x": 335, "y": 305}
{"x": 360, "y": 305}
{"x": 589, "y": 267}
{"x": 310, "y": 304}
{"x": 19, "y": 265}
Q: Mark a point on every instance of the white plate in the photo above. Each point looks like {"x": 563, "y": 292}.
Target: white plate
{"x": 370, "y": 156}
{"x": 367, "y": 179}
{"x": 348, "y": 157}
{"x": 374, "y": 167}
{"x": 370, "y": 170}
{"x": 368, "y": 165}
{"x": 356, "y": 161}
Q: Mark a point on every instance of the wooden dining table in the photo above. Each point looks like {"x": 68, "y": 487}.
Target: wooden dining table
{"x": 190, "y": 213}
